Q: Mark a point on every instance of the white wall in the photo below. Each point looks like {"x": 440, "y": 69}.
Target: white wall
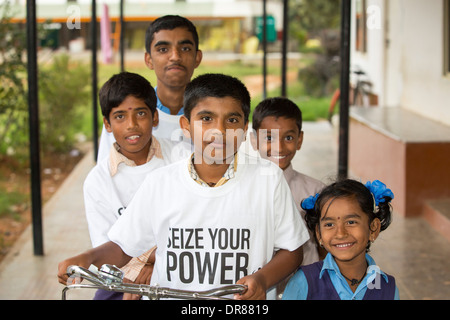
{"x": 393, "y": 85}
{"x": 426, "y": 89}
{"x": 372, "y": 60}
{"x": 404, "y": 57}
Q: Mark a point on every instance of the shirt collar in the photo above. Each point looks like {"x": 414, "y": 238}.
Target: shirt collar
{"x": 288, "y": 172}
{"x": 229, "y": 173}
{"x": 164, "y": 109}
{"x": 372, "y": 270}
{"x": 116, "y": 158}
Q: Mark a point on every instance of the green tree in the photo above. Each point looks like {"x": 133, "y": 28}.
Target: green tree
{"x": 64, "y": 94}
{"x": 313, "y": 16}
{"x": 13, "y": 106}
{"x": 318, "y": 19}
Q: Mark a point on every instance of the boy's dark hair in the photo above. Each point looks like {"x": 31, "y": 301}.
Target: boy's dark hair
{"x": 122, "y": 85}
{"x": 216, "y": 85}
{"x": 349, "y": 188}
{"x": 276, "y": 107}
{"x": 169, "y": 22}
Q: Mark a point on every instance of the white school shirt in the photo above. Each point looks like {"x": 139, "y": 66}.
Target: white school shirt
{"x": 207, "y": 237}
{"x": 303, "y": 186}
{"x": 106, "y": 196}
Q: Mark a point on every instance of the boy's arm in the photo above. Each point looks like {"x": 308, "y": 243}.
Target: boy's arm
{"x": 282, "y": 264}
{"x": 108, "y": 252}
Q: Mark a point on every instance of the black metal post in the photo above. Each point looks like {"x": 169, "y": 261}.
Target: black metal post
{"x": 284, "y": 48}
{"x": 264, "y": 45}
{"x": 33, "y": 107}
{"x": 122, "y": 38}
{"x": 345, "y": 86}
{"x": 94, "y": 77}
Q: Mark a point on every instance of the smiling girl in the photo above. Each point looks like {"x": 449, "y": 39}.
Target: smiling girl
{"x": 347, "y": 217}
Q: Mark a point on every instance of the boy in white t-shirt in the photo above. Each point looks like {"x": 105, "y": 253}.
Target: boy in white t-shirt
{"x": 232, "y": 212}
{"x": 277, "y": 135}
{"x": 172, "y": 51}
{"x": 128, "y": 104}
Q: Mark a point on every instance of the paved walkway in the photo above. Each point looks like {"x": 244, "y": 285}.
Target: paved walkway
{"x": 409, "y": 249}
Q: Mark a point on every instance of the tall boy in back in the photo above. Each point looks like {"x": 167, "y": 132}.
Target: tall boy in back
{"x": 278, "y": 135}
{"x": 128, "y": 104}
{"x": 172, "y": 51}
{"x": 232, "y": 211}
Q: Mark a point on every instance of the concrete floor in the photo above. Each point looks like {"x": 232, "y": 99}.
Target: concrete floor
{"x": 410, "y": 250}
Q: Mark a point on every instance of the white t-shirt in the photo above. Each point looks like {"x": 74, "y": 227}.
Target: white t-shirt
{"x": 106, "y": 196}
{"x": 207, "y": 237}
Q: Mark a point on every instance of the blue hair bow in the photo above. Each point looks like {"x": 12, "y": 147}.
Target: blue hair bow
{"x": 310, "y": 202}
{"x": 379, "y": 191}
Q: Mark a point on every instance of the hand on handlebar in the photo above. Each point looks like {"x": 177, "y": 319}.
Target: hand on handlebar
{"x": 256, "y": 289}
{"x": 144, "y": 277}
{"x": 81, "y": 260}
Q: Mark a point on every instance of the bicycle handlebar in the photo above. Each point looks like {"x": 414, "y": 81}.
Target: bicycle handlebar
{"x": 110, "y": 278}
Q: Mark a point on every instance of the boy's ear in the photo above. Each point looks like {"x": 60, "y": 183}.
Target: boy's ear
{"x": 185, "y": 126}
{"x": 107, "y": 125}
{"x": 300, "y": 140}
{"x": 148, "y": 61}
{"x": 198, "y": 58}
{"x": 155, "y": 118}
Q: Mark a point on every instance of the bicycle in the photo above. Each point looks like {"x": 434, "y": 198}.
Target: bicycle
{"x": 110, "y": 277}
{"x": 359, "y": 94}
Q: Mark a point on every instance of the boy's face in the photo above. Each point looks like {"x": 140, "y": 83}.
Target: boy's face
{"x": 173, "y": 57}
{"x": 131, "y": 124}
{"x": 217, "y": 128}
{"x": 278, "y": 139}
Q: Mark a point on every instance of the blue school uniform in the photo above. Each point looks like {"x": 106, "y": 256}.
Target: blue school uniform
{"x": 323, "y": 281}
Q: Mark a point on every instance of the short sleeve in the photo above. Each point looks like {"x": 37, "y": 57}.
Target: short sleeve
{"x": 297, "y": 287}
{"x": 290, "y": 230}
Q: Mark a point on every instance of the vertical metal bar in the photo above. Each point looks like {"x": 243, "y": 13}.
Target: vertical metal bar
{"x": 264, "y": 45}
{"x": 122, "y": 38}
{"x": 33, "y": 107}
{"x": 345, "y": 86}
{"x": 284, "y": 48}
{"x": 94, "y": 77}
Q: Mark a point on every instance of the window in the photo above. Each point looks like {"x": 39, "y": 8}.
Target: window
{"x": 361, "y": 31}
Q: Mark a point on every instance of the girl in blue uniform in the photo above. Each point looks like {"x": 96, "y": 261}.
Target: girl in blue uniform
{"x": 346, "y": 217}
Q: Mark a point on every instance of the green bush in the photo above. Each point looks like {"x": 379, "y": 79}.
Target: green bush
{"x": 13, "y": 104}
{"x": 8, "y": 203}
{"x": 64, "y": 94}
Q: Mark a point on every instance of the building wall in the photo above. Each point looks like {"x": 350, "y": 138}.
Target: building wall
{"x": 426, "y": 89}
{"x": 372, "y": 60}
{"x": 405, "y": 56}
{"x": 224, "y": 25}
